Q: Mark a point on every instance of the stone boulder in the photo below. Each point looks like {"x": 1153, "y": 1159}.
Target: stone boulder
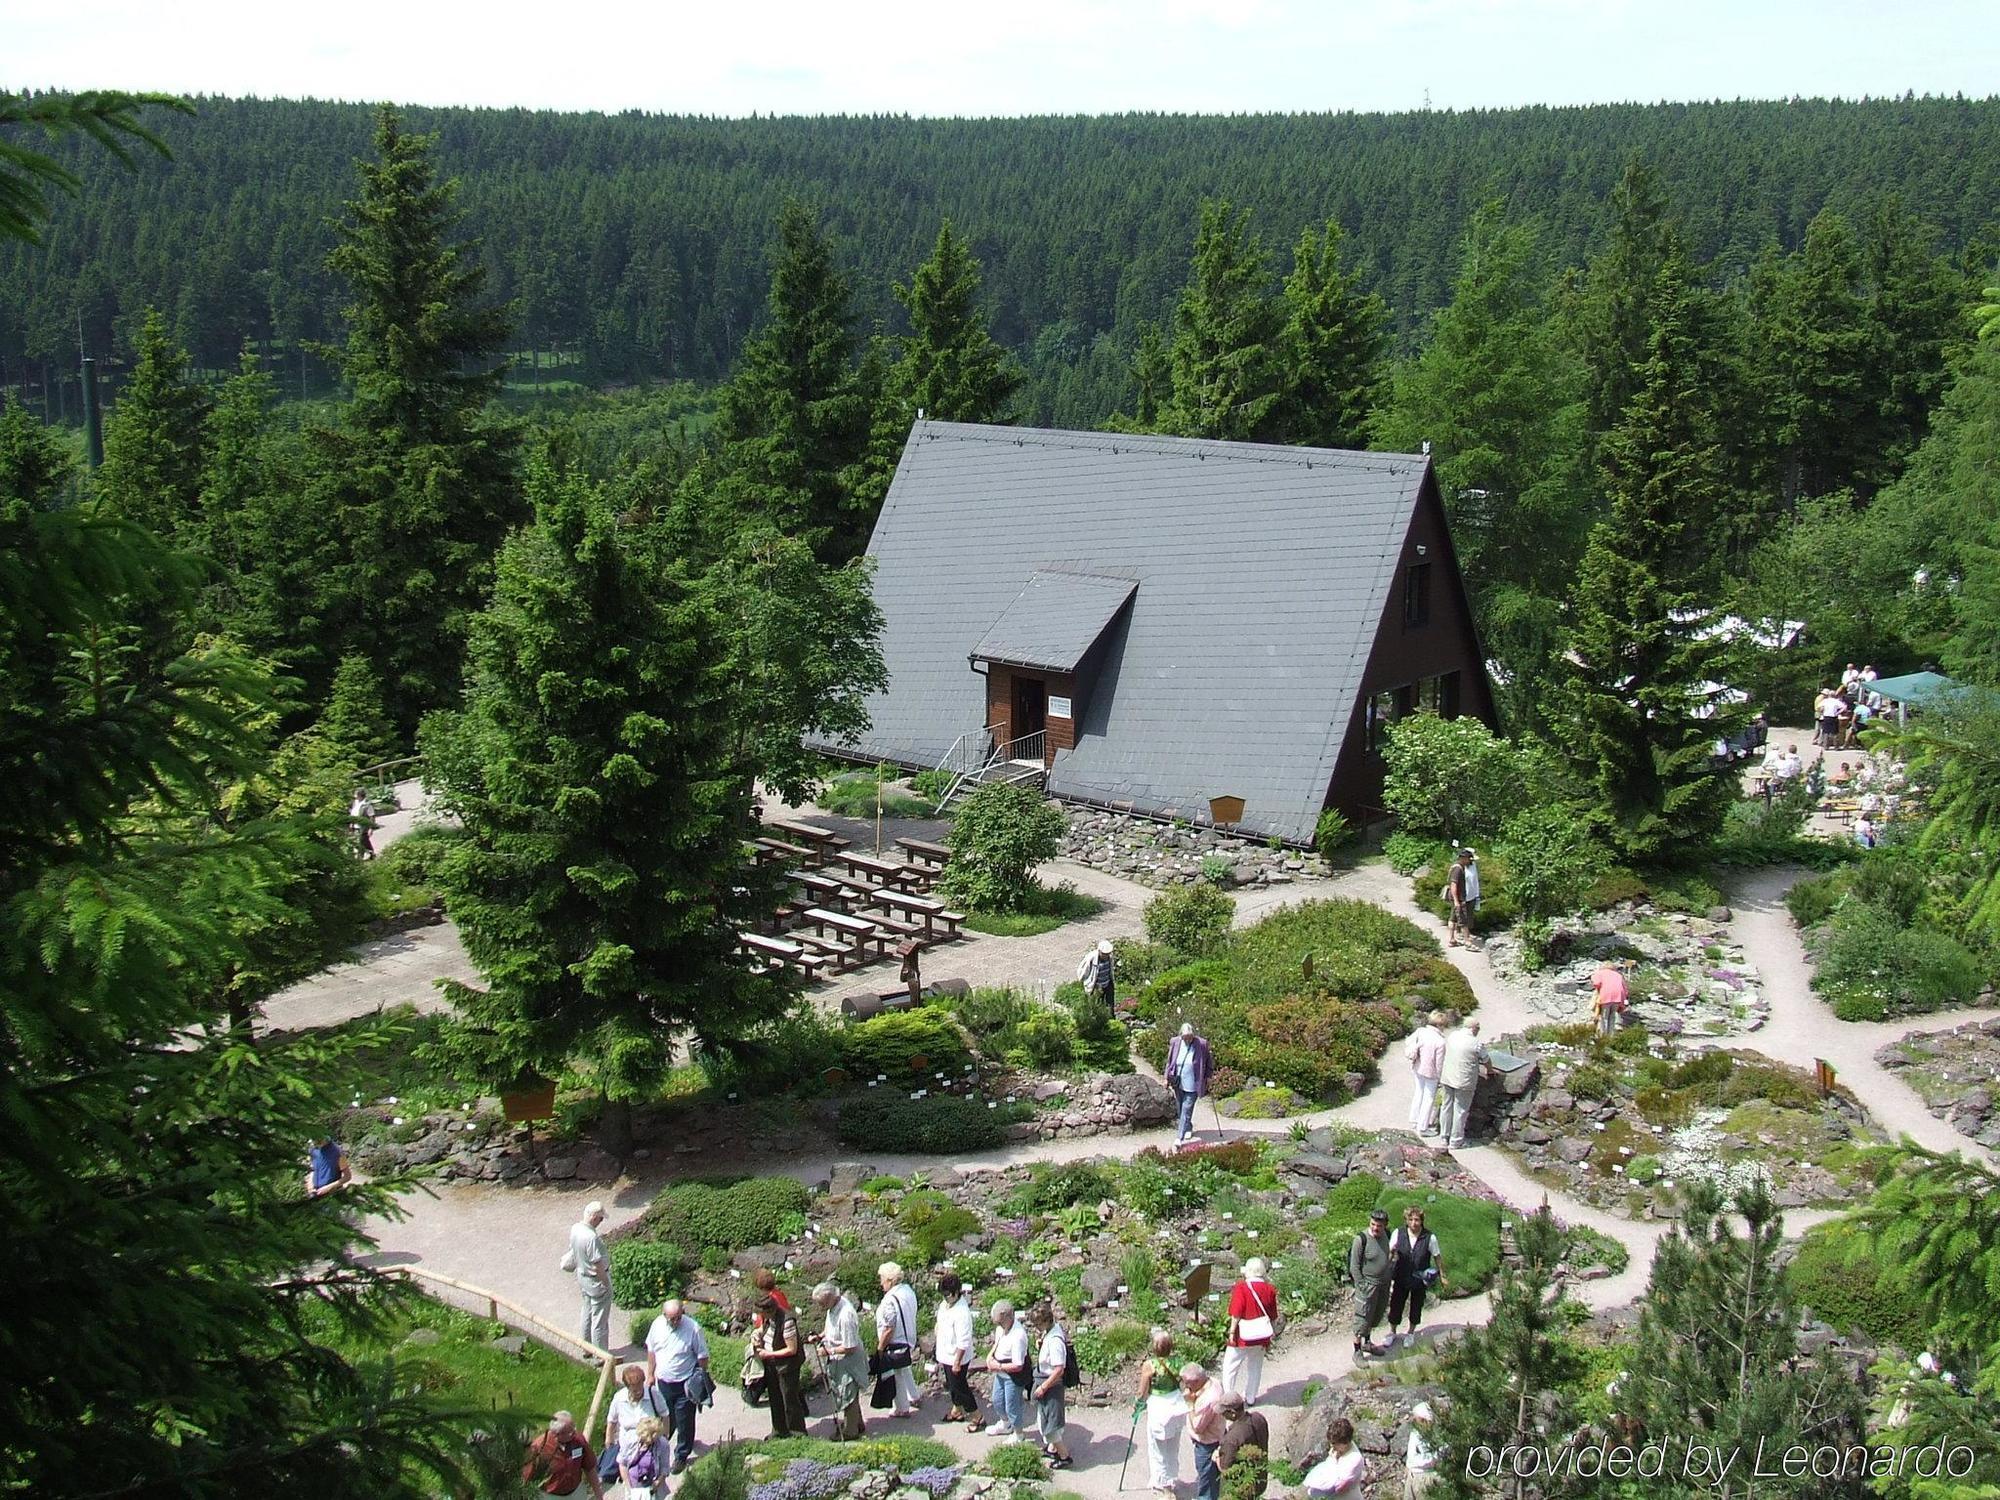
{"x": 847, "y": 1176}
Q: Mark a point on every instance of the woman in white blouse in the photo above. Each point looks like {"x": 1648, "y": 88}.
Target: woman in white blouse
{"x": 954, "y": 1350}
{"x": 634, "y": 1400}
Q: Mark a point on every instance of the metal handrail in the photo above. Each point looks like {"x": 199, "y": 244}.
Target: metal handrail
{"x": 1027, "y": 747}
{"x": 529, "y": 1323}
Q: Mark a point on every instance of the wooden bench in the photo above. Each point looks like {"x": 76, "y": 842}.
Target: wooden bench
{"x": 857, "y": 929}
{"x": 777, "y": 851}
{"x": 931, "y": 913}
{"x": 782, "y": 951}
{"x": 841, "y": 955}
{"x": 825, "y": 840}
{"x": 886, "y": 872}
{"x": 826, "y": 890}
{"x": 926, "y": 851}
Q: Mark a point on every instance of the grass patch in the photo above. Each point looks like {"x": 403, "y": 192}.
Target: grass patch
{"x": 462, "y": 1369}
{"x": 1043, "y": 909}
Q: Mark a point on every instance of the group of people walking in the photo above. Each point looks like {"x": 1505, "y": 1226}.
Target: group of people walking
{"x": 1446, "y": 1059}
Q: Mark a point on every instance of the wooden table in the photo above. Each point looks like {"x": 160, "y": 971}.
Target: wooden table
{"x": 925, "y": 850}
{"x": 859, "y": 929}
{"x": 886, "y": 871}
{"x": 925, "y": 909}
{"x": 826, "y": 890}
{"x": 825, "y": 840}
{"x": 769, "y": 850}
{"x": 784, "y": 951}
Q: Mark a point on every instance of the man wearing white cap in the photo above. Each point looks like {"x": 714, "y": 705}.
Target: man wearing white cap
{"x": 1188, "y": 1067}
{"x": 1097, "y": 973}
{"x": 1420, "y": 1457}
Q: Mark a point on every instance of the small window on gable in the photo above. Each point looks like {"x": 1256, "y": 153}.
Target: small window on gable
{"x": 1416, "y": 595}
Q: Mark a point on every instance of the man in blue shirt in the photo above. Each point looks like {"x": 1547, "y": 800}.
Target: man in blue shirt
{"x": 1188, "y": 1067}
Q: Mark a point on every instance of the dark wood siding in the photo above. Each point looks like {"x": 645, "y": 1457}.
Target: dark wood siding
{"x": 1411, "y": 662}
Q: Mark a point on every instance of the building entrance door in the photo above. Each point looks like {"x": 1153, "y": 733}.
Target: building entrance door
{"x": 1031, "y": 716}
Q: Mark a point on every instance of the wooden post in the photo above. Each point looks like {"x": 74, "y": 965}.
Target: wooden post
{"x": 1823, "y": 1075}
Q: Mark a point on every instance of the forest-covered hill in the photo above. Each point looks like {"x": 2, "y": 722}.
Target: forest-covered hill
{"x": 639, "y": 244}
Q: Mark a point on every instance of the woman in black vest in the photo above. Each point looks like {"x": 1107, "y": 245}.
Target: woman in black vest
{"x": 1419, "y": 1266}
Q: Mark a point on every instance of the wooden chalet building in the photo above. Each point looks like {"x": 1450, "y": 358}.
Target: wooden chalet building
{"x": 1157, "y": 622}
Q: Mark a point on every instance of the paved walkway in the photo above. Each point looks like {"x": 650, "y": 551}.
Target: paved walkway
{"x": 508, "y": 1240}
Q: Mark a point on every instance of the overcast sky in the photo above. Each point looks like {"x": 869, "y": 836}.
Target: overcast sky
{"x": 950, "y": 57}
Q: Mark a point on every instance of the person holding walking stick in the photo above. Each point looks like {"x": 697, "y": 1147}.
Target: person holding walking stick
{"x": 1188, "y": 1067}
{"x": 846, "y": 1361}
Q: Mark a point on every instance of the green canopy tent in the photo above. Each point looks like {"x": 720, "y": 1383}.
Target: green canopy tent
{"x": 1916, "y": 690}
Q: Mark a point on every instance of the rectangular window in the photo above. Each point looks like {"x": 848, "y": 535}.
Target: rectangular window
{"x": 1417, "y": 595}
{"x": 1439, "y": 695}
{"x": 1384, "y": 708}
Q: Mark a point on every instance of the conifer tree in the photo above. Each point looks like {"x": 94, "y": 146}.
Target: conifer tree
{"x": 419, "y": 476}
{"x": 1632, "y": 716}
{"x": 948, "y": 367}
{"x": 1334, "y": 346}
{"x": 601, "y": 881}
{"x": 1818, "y": 367}
{"x": 1498, "y": 397}
{"x": 33, "y": 465}
{"x": 156, "y": 442}
{"x": 795, "y": 417}
{"x": 233, "y": 480}
{"x": 1152, "y": 378}
{"x": 1611, "y": 316}
{"x": 1716, "y": 1362}
{"x": 1514, "y": 1380}
{"x": 1225, "y": 361}
{"x": 353, "y": 722}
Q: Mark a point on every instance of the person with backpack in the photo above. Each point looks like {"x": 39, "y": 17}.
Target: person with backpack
{"x": 1371, "y": 1264}
{"x": 1419, "y": 1266}
{"x": 1056, "y": 1371}
{"x": 782, "y": 1349}
{"x": 1253, "y": 1323}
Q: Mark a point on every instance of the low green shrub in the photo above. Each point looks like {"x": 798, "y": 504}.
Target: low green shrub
{"x": 1689, "y": 894}
{"x": 1331, "y": 834}
{"x": 1103, "y": 1351}
{"x": 1044, "y": 1040}
{"x": 1016, "y": 1461}
{"x": 1215, "y": 869}
{"x": 644, "y": 1273}
{"x": 1190, "y": 919}
{"x": 415, "y": 857}
{"x": 704, "y": 1217}
{"x": 1037, "y": 909}
{"x": 932, "y": 1221}
{"x": 1052, "y": 1188}
{"x": 876, "y": 1186}
{"x": 890, "y": 1043}
{"x": 1860, "y": 1005}
{"x": 1408, "y": 853}
{"x": 904, "y": 1453}
{"x": 1592, "y": 1082}
{"x": 940, "y": 1125}
{"x": 1584, "y": 1246}
{"x": 931, "y": 785}
{"x": 1711, "y": 1068}
{"x": 1844, "y": 1283}
{"x": 1347, "y": 1206}
{"x": 1615, "y": 887}
{"x": 1812, "y": 900}
{"x": 1864, "y": 950}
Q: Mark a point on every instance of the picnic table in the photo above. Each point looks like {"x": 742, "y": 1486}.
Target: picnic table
{"x": 782, "y": 950}
{"x": 826, "y": 890}
{"x": 859, "y": 930}
{"x": 888, "y": 872}
{"x": 768, "y": 850}
{"x": 926, "y": 851}
{"x": 925, "y": 909}
{"x": 825, "y": 840}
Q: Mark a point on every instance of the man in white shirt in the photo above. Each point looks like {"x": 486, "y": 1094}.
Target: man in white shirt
{"x": 1464, "y": 1058}
{"x": 675, "y": 1349}
{"x": 896, "y": 1323}
{"x": 592, "y": 1264}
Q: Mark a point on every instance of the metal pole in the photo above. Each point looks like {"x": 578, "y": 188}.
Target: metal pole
{"x": 93, "y": 420}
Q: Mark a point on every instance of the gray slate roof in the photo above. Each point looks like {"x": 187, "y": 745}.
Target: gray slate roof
{"x": 1261, "y": 574}
{"x": 1054, "y": 620}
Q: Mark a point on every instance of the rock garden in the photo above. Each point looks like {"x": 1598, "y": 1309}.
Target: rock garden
{"x": 1627, "y": 1122}
{"x": 1297, "y": 1008}
{"x": 1180, "y": 853}
{"x": 1956, "y": 1073}
{"x": 1121, "y": 1247}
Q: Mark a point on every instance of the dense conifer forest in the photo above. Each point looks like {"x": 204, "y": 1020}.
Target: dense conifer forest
{"x": 639, "y": 246}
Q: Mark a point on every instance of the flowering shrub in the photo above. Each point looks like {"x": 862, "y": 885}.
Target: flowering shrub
{"x": 807, "y": 1479}
{"x": 938, "y": 1481}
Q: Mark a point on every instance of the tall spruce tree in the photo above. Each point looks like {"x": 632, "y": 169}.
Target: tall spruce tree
{"x": 156, "y": 442}
{"x": 1225, "y": 361}
{"x": 1819, "y": 369}
{"x": 795, "y": 417}
{"x": 1636, "y": 718}
{"x": 150, "y": 1164}
{"x": 1499, "y": 399}
{"x": 601, "y": 881}
{"x": 1514, "y": 1380}
{"x": 948, "y": 367}
{"x": 1334, "y": 346}
{"x": 419, "y": 476}
{"x": 1152, "y": 378}
{"x": 1716, "y": 1364}
{"x": 353, "y": 722}
{"x": 1610, "y": 316}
